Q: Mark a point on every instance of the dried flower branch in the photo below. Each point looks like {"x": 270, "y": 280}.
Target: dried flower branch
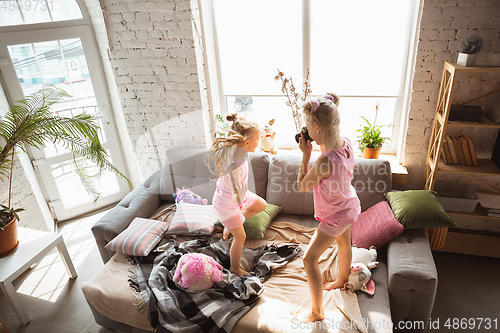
{"x": 295, "y": 99}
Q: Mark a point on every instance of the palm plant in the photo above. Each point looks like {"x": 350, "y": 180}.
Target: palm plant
{"x": 31, "y": 123}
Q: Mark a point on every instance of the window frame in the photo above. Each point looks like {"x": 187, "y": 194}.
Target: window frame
{"x": 213, "y": 73}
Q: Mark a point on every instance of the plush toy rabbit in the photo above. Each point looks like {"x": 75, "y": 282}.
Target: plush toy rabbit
{"x": 197, "y": 271}
{"x": 360, "y": 276}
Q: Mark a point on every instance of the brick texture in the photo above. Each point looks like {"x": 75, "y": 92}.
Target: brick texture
{"x": 444, "y": 24}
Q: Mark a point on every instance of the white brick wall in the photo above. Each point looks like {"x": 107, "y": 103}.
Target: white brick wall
{"x": 444, "y": 24}
{"x": 152, "y": 55}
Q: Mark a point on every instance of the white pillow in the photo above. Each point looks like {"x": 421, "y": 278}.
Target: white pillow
{"x": 192, "y": 219}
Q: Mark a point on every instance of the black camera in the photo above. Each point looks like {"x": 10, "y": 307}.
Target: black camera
{"x": 306, "y": 135}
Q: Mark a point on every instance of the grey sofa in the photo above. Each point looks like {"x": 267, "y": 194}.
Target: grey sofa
{"x": 405, "y": 279}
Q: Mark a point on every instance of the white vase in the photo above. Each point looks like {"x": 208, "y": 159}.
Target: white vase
{"x": 467, "y": 60}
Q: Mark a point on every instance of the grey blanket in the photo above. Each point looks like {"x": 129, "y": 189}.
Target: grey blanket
{"x": 175, "y": 309}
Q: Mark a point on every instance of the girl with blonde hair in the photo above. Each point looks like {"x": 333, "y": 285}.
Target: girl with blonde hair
{"x": 336, "y": 204}
{"x": 232, "y": 200}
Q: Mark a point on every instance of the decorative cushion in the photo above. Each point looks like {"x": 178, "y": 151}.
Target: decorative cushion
{"x": 192, "y": 219}
{"x": 418, "y": 209}
{"x": 256, "y": 225}
{"x": 376, "y": 226}
{"x": 140, "y": 237}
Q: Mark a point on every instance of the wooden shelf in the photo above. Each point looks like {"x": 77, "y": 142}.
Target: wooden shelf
{"x": 478, "y": 212}
{"x": 485, "y": 123}
{"x": 469, "y": 243}
{"x": 466, "y": 241}
{"x": 485, "y": 166}
{"x": 481, "y": 67}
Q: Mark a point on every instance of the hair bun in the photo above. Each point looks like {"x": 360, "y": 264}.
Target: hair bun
{"x": 232, "y": 117}
{"x": 333, "y": 97}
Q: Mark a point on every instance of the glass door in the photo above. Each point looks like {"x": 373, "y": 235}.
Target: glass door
{"x": 65, "y": 64}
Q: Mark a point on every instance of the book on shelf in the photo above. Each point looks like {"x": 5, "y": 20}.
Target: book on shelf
{"x": 495, "y": 156}
{"x": 465, "y": 149}
{"x": 442, "y": 155}
{"x": 472, "y": 150}
{"x": 493, "y": 214}
{"x": 458, "y": 150}
{"x": 447, "y": 153}
{"x": 451, "y": 146}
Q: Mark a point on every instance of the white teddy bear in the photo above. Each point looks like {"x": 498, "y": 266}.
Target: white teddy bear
{"x": 267, "y": 142}
{"x": 360, "y": 276}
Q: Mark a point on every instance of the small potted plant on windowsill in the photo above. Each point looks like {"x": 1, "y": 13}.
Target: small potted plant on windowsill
{"x": 370, "y": 139}
{"x": 469, "y": 48}
{"x": 31, "y": 123}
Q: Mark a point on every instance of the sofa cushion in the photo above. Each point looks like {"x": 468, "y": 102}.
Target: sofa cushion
{"x": 191, "y": 219}
{"x": 139, "y": 238}
{"x": 256, "y": 225}
{"x": 282, "y": 186}
{"x": 419, "y": 209}
{"x": 376, "y": 226}
{"x": 186, "y": 167}
{"x": 372, "y": 178}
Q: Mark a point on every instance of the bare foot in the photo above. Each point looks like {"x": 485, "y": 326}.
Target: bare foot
{"x": 239, "y": 271}
{"x": 333, "y": 285}
{"x": 225, "y": 234}
{"x": 306, "y": 317}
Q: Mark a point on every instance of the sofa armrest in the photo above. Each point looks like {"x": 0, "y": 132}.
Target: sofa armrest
{"x": 412, "y": 278}
{"x": 141, "y": 202}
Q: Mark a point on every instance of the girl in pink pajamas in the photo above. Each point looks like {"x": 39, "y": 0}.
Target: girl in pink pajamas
{"x": 232, "y": 200}
{"x": 336, "y": 204}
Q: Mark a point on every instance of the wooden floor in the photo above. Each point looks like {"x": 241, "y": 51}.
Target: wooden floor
{"x": 475, "y": 244}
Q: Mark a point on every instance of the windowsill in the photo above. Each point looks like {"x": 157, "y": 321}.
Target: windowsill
{"x": 399, "y": 172}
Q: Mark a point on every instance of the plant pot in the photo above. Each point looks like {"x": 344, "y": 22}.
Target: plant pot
{"x": 467, "y": 60}
{"x": 371, "y": 153}
{"x": 8, "y": 238}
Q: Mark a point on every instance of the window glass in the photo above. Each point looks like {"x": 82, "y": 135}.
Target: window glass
{"x": 359, "y": 48}
{"x": 16, "y": 12}
{"x": 254, "y": 39}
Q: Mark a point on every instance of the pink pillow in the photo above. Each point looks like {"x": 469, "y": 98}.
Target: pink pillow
{"x": 376, "y": 226}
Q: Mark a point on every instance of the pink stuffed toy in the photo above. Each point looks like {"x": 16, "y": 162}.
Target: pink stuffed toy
{"x": 196, "y": 271}
{"x": 188, "y": 196}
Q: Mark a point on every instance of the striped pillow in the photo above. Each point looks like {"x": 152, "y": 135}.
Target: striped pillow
{"x": 192, "y": 219}
{"x": 139, "y": 238}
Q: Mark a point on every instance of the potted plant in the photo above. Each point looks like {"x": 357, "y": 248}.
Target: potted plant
{"x": 31, "y": 123}
{"x": 370, "y": 140}
{"x": 469, "y": 48}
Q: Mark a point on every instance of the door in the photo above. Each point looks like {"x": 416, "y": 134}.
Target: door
{"x": 69, "y": 61}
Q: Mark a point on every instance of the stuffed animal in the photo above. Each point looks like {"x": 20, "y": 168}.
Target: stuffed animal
{"x": 267, "y": 142}
{"x": 360, "y": 276}
{"x": 197, "y": 271}
{"x": 188, "y": 196}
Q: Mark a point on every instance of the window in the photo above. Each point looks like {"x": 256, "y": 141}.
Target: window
{"x": 17, "y": 12}
{"x": 58, "y": 48}
{"x": 359, "y": 50}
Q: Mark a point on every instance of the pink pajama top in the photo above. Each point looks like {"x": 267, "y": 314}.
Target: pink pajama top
{"x": 335, "y": 200}
{"x": 223, "y": 196}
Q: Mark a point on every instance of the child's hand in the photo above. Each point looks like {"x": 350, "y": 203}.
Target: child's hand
{"x": 305, "y": 146}
{"x": 240, "y": 192}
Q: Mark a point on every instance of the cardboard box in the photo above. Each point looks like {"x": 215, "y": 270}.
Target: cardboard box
{"x": 466, "y": 113}
{"x": 456, "y": 197}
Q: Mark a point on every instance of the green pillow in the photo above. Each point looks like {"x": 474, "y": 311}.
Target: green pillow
{"x": 256, "y": 225}
{"x": 418, "y": 209}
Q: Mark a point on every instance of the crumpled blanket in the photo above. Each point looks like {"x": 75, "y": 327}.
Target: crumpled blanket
{"x": 175, "y": 309}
